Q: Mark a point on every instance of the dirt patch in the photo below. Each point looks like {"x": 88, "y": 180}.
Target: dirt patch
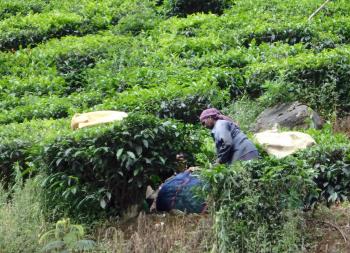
{"x": 328, "y": 230}
{"x": 342, "y": 125}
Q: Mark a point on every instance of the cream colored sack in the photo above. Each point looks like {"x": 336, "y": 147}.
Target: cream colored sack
{"x": 281, "y": 144}
{"x": 94, "y": 118}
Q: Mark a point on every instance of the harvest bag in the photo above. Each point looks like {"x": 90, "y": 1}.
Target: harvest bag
{"x": 180, "y": 192}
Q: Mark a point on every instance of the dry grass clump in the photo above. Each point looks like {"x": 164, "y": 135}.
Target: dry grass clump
{"x": 158, "y": 233}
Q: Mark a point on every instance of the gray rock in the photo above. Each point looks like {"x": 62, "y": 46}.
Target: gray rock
{"x": 288, "y": 115}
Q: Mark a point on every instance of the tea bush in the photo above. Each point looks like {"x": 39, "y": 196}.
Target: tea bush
{"x": 182, "y": 8}
{"x": 104, "y": 170}
{"x": 71, "y": 67}
{"x": 37, "y": 108}
{"x": 34, "y": 28}
{"x": 13, "y": 88}
{"x": 138, "y": 16}
{"x": 117, "y": 78}
{"x": 254, "y": 201}
{"x": 22, "y": 143}
{"x": 182, "y": 103}
{"x": 10, "y": 8}
{"x": 44, "y": 55}
{"x": 75, "y": 18}
{"x": 318, "y": 80}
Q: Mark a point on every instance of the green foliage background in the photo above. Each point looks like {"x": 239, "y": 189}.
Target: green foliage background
{"x": 163, "y": 62}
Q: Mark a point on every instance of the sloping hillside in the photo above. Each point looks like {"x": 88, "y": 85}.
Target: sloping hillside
{"x": 163, "y": 62}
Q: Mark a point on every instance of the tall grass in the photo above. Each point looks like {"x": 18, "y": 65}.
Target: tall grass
{"x": 21, "y": 218}
{"x": 159, "y": 233}
{"x": 244, "y": 112}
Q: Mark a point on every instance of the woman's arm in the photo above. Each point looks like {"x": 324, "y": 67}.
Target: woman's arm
{"x": 223, "y": 141}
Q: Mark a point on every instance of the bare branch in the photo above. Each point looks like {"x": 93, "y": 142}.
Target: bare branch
{"x": 316, "y": 11}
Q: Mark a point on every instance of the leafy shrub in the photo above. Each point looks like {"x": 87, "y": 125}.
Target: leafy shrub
{"x": 196, "y": 25}
{"x": 35, "y": 28}
{"x": 194, "y": 46}
{"x": 21, "y": 145}
{"x": 183, "y": 103}
{"x": 10, "y": 8}
{"x": 252, "y": 202}
{"x": 318, "y": 80}
{"x": 66, "y": 237}
{"x": 107, "y": 168}
{"x": 13, "y": 154}
{"x": 183, "y": 8}
{"x": 48, "y": 107}
{"x": 333, "y": 174}
{"x": 330, "y": 160}
{"x": 271, "y": 33}
{"x": 256, "y": 201}
{"x": 140, "y": 16}
{"x": 71, "y": 67}
{"x": 234, "y": 58}
{"x": 37, "y": 108}
{"x": 116, "y": 78}
{"x": 14, "y": 87}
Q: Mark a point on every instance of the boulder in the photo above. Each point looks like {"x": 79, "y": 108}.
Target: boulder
{"x": 288, "y": 115}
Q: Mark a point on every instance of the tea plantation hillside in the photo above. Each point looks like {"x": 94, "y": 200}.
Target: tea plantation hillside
{"x": 163, "y": 62}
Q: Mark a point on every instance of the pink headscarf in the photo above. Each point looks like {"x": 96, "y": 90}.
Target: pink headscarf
{"x": 215, "y": 114}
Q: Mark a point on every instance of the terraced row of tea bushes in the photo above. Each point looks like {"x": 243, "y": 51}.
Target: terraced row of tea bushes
{"x": 34, "y": 28}
{"x": 42, "y": 59}
{"x": 109, "y": 11}
{"x": 320, "y": 80}
{"x": 141, "y": 18}
{"x": 83, "y": 64}
{"x": 183, "y": 103}
{"x": 255, "y": 202}
{"x": 174, "y": 101}
{"x": 21, "y": 144}
{"x": 183, "y": 8}
{"x": 108, "y": 167}
{"x": 10, "y": 8}
{"x": 13, "y": 87}
{"x": 56, "y": 68}
{"x": 37, "y": 107}
{"x": 291, "y": 8}
{"x": 54, "y": 107}
{"x": 240, "y": 29}
{"x": 20, "y": 32}
{"x": 110, "y": 77}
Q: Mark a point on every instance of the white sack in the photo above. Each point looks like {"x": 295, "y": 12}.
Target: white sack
{"x": 94, "y": 118}
{"x": 281, "y": 144}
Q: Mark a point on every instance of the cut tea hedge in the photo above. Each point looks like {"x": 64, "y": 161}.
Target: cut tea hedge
{"x": 109, "y": 167}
